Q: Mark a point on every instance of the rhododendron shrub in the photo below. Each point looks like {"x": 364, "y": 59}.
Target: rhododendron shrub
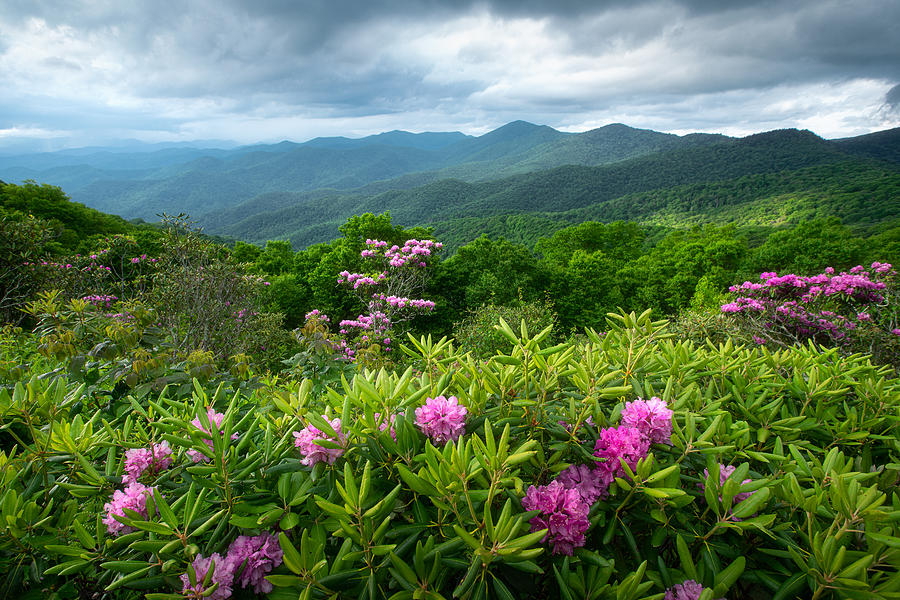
{"x": 856, "y": 310}
{"x": 626, "y": 465}
{"x": 388, "y": 292}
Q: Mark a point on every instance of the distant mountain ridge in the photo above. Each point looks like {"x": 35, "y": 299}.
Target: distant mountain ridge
{"x": 303, "y": 191}
{"x": 134, "y": 184}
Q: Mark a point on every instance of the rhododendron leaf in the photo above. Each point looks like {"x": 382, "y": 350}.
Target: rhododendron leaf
{"x": 68, "y": 567}
{"x": 131, "y": 577}
{"x": 152, "y": 527}
{"x": 663, "y": 473}
{"x": 727, "y": 576}
{"x": 86, "y": 539}
{"x": 751, "y": 504}
{"x": 684, "y": 556}
{"x": 164, "y": 510}
{"x": 204, "y": 527}
{"x": 332, "y": 509}
{"x": 291, "y": 557}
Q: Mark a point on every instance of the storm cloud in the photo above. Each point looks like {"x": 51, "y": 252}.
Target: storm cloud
{"x": 84, "y": 72}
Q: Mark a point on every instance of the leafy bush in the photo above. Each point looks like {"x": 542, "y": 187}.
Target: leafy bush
{"x": 856, "y": 311}
{"x": 772, "y": 476}
{"x": 477, "y": 334}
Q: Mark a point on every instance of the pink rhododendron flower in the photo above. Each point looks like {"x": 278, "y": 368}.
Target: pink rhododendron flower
{"x": 586, "y": 480}
{"x": 134, "y": 497}
{"x": 223, "y": 574}
{"x": 622, "y": 442}
{"x": 215, "y": 418}
{"x": 563, "y": 513}
{"x": 151, "y": 460}
{"x": 385, "y": 423}
{"x": 689, "y": 590}
{"x": 725, "y": 472}
{"x": 651, "y": 417}
{"x": 251, "y": 558}
{"x": 312, "y": 452}
{"x": 442, "y": 419}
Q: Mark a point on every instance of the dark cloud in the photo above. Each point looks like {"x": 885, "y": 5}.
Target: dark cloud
{"x": 892, "y": 99}
{"x": 174, "y": 66}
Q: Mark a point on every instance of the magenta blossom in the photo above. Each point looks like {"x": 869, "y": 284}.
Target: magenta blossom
{"x": 314, "y": 453}
{"x": 251, "y": 558}
{"x": 134, "y": 497}
{"x": 689, "y": 590}
{"x": 725, "y": 472}
{"x": 442, "y": 419}
{"x": 215, "y": 419}
{"x": 622, "y": 442}
{"x": 150, "y": 460}
{"x": 223, "y": 574}
{"x": 651, "y": 417}
{"x": 563, "y": 513}
{"x": 586, "y": 480}
{"x": 384, "y": 423}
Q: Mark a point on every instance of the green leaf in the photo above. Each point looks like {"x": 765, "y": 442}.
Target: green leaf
{"x": 164, "y": 510}
{"x": 291, "y": 557}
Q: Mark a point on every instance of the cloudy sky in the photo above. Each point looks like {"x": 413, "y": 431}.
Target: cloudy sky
{"x": 79, "y": 72}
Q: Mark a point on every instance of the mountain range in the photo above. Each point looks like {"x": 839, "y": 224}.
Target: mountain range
{"x": 517, "y": 179}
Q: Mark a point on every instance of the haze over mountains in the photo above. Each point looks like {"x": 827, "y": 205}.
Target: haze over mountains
{"x": 519, "y": 177}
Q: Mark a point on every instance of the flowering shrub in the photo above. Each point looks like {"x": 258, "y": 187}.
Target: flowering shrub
{"x": 590, "y": 469}
{"x": 855, "y": 310}
{"x": 401, "y": 272}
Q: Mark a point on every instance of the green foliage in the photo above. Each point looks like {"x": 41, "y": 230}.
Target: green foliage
{"x": 207, "y": 303}
{"x": 810, "y": 433}
{"x": 24, "y": 241}
{"x": 477, "y": 332}
{"x": 74, "y": 221}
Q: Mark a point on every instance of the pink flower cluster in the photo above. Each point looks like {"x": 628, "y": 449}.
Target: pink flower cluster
{"x": 615, "y": 443}
{"x": 314, "y": 453}
{"x": 133, "y": 497}
{"x": 652, "y": 418}
{"x": 643, "y": 422}
{"x": 725, "y": 472}
{"x": 792, "y": 304}
{"x": 248, "y": 560}
{"x": 143, "y": 258}
{"x": 375, "y": 324}
{"x": 215, "y": 418}
{"x": 404, "y": 302}
{"x": 253, "y": 557}
{"x": 223, "y": 575}
{"x": 564, "y": 513}
{"x": 150, "y": 460}
{"x": 414, "y": 252}
{"x": 317, "y": 315}
{"x": 100, "y": 300}
{"x": 689, "y": 590}
{"x": 359, "y": 279}
{"x": 442, "y": 419}
{"x": 586, "y": 480}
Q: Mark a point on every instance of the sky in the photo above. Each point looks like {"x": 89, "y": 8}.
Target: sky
{"x": 89, "y": 72}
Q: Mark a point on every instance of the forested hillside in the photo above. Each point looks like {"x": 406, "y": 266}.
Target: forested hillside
{"x": 303, "y": 192}
{"x": 707, "y": 183}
